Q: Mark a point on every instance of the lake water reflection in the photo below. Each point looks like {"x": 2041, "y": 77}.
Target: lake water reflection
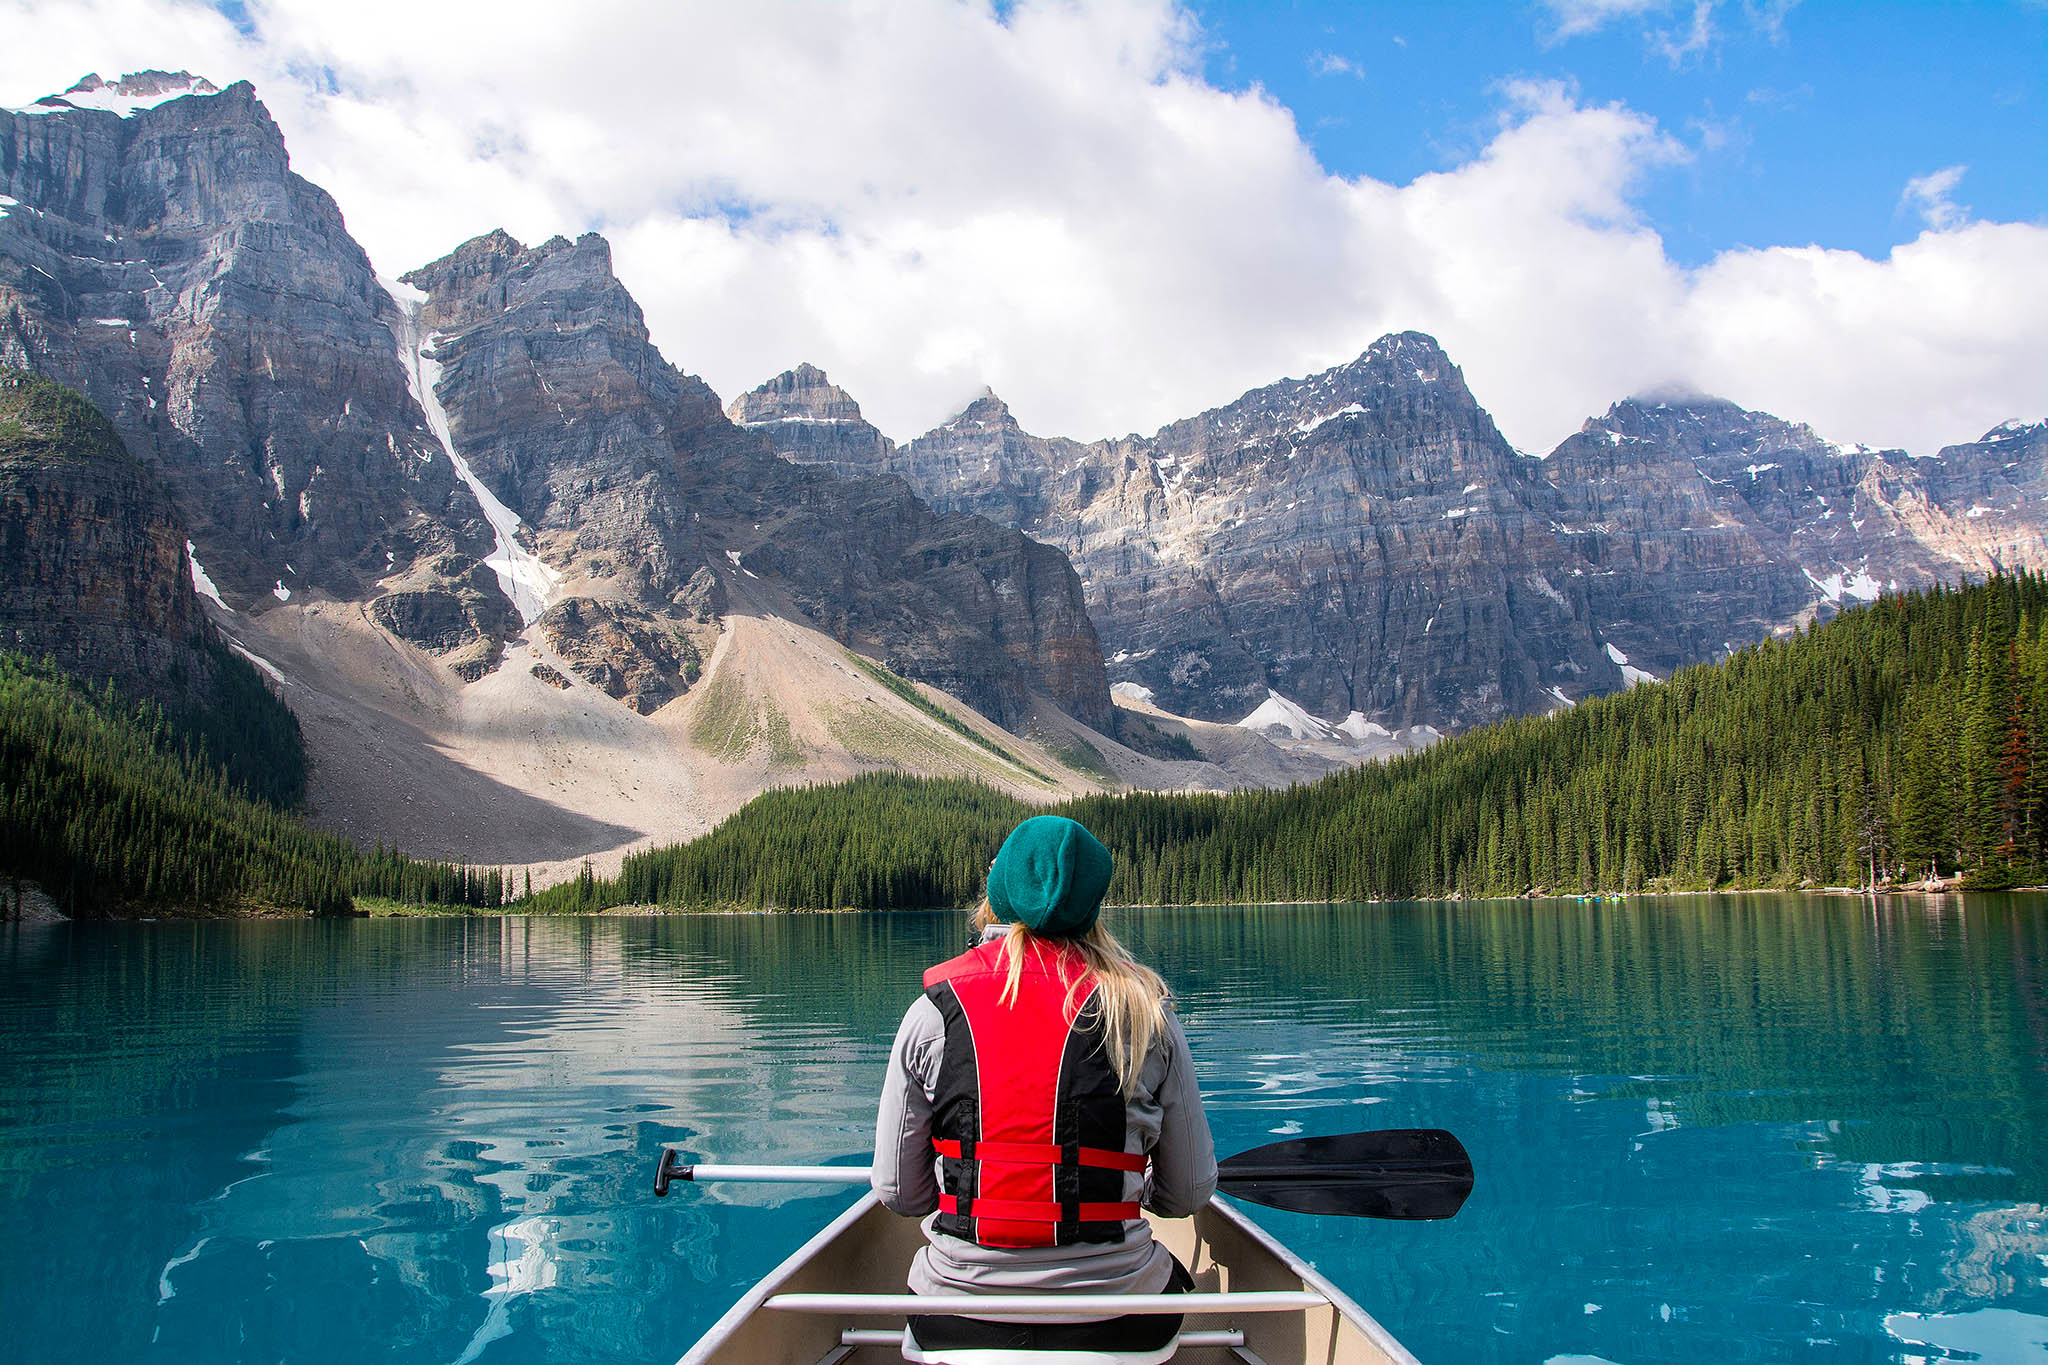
{"x": 1741, "y": 1128}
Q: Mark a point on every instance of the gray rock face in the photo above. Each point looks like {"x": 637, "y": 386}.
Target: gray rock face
{"x": 1982, "y": 505}
{"x": 93, "y": 571}
{"x": 1364, "y": 540}
{"x": 641, "y": 492}
{"x": 822, "y": 419}
{"x": 171, "y": 266}
{"x": 1704, "y": 527}
{"x": 465, "y": 621}
{"x": 628, "y": 654}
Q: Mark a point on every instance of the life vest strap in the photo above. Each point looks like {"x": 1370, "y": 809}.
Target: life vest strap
{"x": 1037, "y": 1211}
{"x": 1039, "y": 1154}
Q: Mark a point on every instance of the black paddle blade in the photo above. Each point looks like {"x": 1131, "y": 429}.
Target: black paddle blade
{"x": 1391, "y": 1173}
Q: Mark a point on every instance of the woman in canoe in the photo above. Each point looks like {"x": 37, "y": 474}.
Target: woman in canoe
{"x": 1039, "y": 1093}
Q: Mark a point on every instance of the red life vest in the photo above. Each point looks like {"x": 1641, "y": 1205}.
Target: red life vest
{"x": 1028, "y": 1120}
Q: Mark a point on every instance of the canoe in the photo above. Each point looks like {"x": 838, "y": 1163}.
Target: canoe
{"x": 840, "y": 1299}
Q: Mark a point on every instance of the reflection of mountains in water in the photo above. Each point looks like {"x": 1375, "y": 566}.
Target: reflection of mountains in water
{"x": 1709, "y": 1009}
{"x": 448, "y": 1125}
{"x": 441, "y": 1117}
{"x": 567, "y": 1053}
{"x": 1762, "y": 1113}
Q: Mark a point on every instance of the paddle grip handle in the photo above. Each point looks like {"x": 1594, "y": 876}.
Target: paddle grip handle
{"x": 672, "y": 1167}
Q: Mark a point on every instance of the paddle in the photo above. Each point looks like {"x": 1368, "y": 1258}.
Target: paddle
{"x": 1389, "y": 1173}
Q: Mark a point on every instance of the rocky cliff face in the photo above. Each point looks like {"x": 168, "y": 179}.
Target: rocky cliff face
{"x": 1980, "y": 506}
{"x": 819, "y": 423}
{"x": 157, "y": 253}
{"x": 1360, "y": 542}
{"x": 1704, "y": 527}
{"x": 652, "y": 507}
{"x": 1365, "y": 544}
{"x": 93, "y": 570}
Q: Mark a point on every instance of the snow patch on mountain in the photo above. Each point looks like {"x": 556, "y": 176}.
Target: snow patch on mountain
{"x": 202, "y": 583}
{"x": 1307, "y": 425}
{"x": 275, "y": 673}
{"x": 1855, "y": 583}
{"x": 524, "y": 579}
{"x": 1359, "y": 728}
{"x": 1277, "y": 711}
{"x": 1630, "y": 675}
{"x": 129, "y": 96}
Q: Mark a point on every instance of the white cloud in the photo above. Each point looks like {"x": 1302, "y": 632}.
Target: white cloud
{"x": 1574, "y": 17}
{"x": 1677, "y": 46}
{"x": 923, "y": 197}
{"x": 1932, "y": 196}
{"x": 1331, "y": 64}
{"x": 1695, "y": 34}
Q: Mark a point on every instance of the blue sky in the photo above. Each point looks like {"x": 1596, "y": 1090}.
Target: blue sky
{"x": 1118, "y": 213}
{"x": 1802, "y": 127}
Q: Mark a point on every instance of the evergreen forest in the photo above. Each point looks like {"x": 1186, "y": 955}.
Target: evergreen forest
{"x": 1901, "y": 742}
{"x": 117, "y": 806}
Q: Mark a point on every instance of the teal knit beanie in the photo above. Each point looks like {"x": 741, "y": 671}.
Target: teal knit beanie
{"x": 1050, "y": 875}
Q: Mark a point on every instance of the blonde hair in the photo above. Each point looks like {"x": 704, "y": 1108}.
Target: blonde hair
{"x": 1129, "y": 996}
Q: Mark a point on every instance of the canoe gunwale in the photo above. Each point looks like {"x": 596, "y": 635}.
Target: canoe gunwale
{"x": 1346, "y": 1306}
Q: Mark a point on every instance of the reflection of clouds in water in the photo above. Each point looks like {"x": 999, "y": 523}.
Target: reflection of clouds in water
{"x": 1322, "y": 1057}
{"x": 1998, "y": 1334}
{"x": 523, "y": 1266}
{"x": 1661, "y": 1116}
{"x": 488, "y": 1127}
{"x": 165, "y": 1291}
{"x": 1882, "y": 1187}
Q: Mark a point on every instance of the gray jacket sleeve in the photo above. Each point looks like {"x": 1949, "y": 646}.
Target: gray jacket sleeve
{"x": 905, "y": 1173}
{"x": 1184, "y": 1161}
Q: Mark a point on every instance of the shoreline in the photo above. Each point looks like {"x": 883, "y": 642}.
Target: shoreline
{"x": 391, "y": 910}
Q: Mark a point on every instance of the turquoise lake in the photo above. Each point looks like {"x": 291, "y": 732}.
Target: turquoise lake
{"x": 1746, "y": 1128}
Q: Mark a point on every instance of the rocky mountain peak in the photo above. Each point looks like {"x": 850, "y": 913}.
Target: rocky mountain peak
{"x": 134, "y": 92}
{"x": 571, "y": 282}
{"x": 1417, "y": 347}
{"x": 252, "y": 371}
{"x": 1402, "y": 360}
{"x": 986, "y": 412}
{"x": 2015, "y": 430}
{"x": 1702, "y": 426}
{"x": 803, "y": 394}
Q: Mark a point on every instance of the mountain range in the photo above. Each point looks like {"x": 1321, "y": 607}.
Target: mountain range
{"x": 1364, "y": 546}
{"x": 536, "y": 594}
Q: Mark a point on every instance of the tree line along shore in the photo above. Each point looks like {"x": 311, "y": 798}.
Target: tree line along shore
{"x": 1901, "y": 743}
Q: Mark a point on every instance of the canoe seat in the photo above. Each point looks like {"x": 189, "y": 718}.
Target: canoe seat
{"x": 919, "y": 1354}
{"x": 1132, "y": 1339}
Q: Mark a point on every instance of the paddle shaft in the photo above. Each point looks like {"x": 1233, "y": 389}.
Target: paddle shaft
{"x": 706, "y": 1171}
{"x": 1392, "y": 1173}
{"x": 819, "y": 1175}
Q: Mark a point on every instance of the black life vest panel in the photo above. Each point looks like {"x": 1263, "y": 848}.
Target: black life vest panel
{"x": 1028, "y": 1121}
